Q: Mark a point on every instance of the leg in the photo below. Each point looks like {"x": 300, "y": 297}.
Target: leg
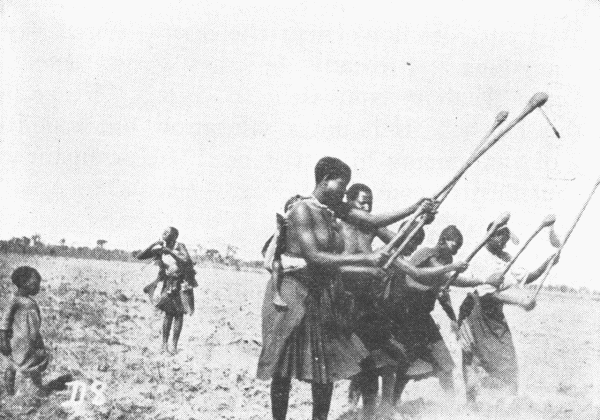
{"x": 388, "y": 380}
{"x": 177, "y": 331}
{"x": 446, "y": 381}
{"x": 354, "y": 391}
{"x": 401, "y": 382}
{"x": 369, "y": 387}
{"x": 321, "y": 394}
{"x": 470, "y": 378}
{"x": 9, "y": 380}
{"x": 442, "y": 359}
{"x": 166, "y": 330}
{"x": 280, "y": 394}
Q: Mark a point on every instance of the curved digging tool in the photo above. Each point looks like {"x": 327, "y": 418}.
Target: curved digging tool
{"x": 553, "y": 260}
{"x": 535, "y": 102}
{"x": 548, "y": 221}
{"x": 500, "y": 118}
{"x": 553, "y": 237}
{"x": 498, "y": 223}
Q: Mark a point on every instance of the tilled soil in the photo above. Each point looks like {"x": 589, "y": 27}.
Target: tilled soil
{"x": 100, "y": 326}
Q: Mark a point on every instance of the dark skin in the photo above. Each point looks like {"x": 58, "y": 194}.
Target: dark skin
{"x": 446, "y": 249}
{"x": 30, "y": 288}
{"x": 357, "y": 239}
{"x": 166, "y": 245}
{"x": 309, "y": 236}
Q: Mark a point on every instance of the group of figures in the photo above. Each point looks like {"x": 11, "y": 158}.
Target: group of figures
{"x": 21, "y": 342}
{"x": 331, "y": 312}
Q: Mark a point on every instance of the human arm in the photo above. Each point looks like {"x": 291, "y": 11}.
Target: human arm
{"x": 6, "y": 327}
{"x": 363, "y": 218}
{"x": 151, "y": 251}
{"x": 384, "y": 234}
{"x": 534, "y": 275}
{"x": 179, "y": 253}
{"x": 302, "y": 227}
{"x": 429, "y": 275}
{"x": 515, "y": 297}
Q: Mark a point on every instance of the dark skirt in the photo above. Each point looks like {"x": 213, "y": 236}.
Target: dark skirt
{"x": 374, "y": 328}
{"x": 170, "y": 301}
{"x": 305, "y": 341}
{"x": 490, "y": 340}
{"x": 426, "y": 350}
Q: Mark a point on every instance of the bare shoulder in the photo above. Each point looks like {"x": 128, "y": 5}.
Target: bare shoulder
{"x": 301, "y": 213}
{"x": 421, "y": 255}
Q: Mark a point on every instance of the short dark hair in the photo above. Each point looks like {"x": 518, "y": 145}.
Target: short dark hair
{"x": 173, "y": 231}
{"x": 502, "y": 230}
{"x": 330, "y": 167}
{"x": 21, "y": 274}
{"x": 418, "y": 236}
{"x": 355, "y": 189}
{"x": 451, "y": 232}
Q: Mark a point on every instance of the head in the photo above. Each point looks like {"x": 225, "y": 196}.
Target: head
{"x": 450, "y": 241}
{"x": 27, "y": 279}
{"x": 170, "y": 236}
{"x": 332, "y": 177}
{"x": 360, "y": 196}
{"x": 499, "y": 239}
{"x": 414, "y": 242}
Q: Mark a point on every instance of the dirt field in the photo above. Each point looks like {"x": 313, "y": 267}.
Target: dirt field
{"x": 100, "y": 326}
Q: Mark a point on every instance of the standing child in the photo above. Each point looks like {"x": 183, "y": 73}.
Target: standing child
{"x": 20, "y": 340}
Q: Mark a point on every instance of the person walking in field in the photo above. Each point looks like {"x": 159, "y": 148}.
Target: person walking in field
{"x": 176, "y": 272}
{"x": 304, "y": 341}
{"x": 21, "y": 343}
{"x": 485, "y": 338}
{"x": 369, "y": 320}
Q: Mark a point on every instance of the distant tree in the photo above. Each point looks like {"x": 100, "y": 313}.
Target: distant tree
{"x": 25, "y": 243}
{"x": 101, "y": 243}
{"x": 62, "y": 242}
{"x": 231, "y": 251}
{"x": 213, "y": 255}
{"x": 36, "y": 239}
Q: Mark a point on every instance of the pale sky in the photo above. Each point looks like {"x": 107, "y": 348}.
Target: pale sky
{"x": 122, "y": 118}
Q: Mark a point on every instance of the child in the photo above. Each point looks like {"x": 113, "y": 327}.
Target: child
{"x": 20, "y": 339}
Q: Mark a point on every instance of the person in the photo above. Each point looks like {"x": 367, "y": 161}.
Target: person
{"x": 484, "y": 335}
{"x": 370, "y": 322}
{"x": 304, "y": 341}
{"x": 177, "y": 276}
{"x": 21, "y": 342}
{"x": 427, "y": 352}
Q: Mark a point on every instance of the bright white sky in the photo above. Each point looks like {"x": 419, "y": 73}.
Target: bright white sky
{"x": 120, "y": 118}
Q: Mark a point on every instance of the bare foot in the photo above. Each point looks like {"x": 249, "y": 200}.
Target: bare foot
{"x": 164, "y": 348}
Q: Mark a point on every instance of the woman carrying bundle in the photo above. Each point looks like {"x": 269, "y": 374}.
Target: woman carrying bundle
{"x": 176, "y": 272}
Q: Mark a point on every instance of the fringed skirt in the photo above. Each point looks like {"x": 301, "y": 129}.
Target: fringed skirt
{"x": 305, "y": 341}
